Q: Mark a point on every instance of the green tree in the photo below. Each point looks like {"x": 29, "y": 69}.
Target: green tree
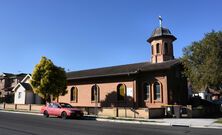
{"x": 203, "y": 62}
{"x": 48, "y": 80}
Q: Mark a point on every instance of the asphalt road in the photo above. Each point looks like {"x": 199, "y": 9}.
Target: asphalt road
{"x": 23, "y": 124}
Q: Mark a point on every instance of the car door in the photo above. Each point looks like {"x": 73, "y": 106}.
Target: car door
{"x": 56, "y": 109}
{"x": 50, "y": 109}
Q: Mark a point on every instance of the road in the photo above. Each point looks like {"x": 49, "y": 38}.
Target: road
{"x": 23, "y": 124}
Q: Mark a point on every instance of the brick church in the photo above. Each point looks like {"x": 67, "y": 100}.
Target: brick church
{"x": 140, "y": 87}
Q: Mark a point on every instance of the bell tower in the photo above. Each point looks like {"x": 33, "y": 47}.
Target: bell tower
{"x": 161, "y": 42}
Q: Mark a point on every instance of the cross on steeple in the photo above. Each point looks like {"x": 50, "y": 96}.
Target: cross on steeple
{"x": 160, "y": 21}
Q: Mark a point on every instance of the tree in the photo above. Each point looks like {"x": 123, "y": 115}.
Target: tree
{"x": 48, "y": 80}
{"x": 203, "y": 62}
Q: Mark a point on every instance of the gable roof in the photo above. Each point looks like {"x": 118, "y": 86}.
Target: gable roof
{"x": 26, "y": 86}
{"x": 26, "y": 77}
{"x": 120, "y": 70}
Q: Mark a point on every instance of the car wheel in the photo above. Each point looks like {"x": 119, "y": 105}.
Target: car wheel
{"x": 46, "y": 114}
{"x": 64, "y": 115}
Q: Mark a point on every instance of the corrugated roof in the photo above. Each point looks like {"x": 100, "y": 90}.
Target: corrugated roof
{"x": 120, "y": 70}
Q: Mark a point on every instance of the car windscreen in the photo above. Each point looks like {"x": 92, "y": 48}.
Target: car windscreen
{"x": 64, "y": 105}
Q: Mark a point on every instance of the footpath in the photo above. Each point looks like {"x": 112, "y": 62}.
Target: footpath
{"x": 182, "y": 122}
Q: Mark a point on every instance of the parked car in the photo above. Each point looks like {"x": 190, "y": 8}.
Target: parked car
{"x": 219, "y": 102}
{"x": 63, "y": 110}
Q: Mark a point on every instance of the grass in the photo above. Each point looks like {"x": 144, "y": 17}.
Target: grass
{"x": 219, "y": 121}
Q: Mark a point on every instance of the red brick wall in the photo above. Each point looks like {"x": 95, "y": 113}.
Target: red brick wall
{"x": 106, "y": 89}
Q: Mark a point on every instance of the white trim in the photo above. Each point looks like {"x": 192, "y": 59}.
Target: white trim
{"x": 19, "y": 84}
{"x": 28, "y": 75}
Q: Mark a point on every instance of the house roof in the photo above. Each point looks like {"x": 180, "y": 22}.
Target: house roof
{"x": 10, "y": 75}
{"x": 27, "y": 86}
{"x": 120, "y": 70}
{"x": 26, "y": 77}
{"x": 3, "y": 75}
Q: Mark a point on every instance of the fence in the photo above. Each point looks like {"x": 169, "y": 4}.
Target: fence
{"x": 108, "y": 111}
{"x": 21, "y": 107}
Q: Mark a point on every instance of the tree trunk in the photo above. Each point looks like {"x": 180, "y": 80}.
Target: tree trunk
{"x": 48, "y": 98}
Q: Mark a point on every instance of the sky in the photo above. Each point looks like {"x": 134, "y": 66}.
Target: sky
{"x": 85, "y": 34}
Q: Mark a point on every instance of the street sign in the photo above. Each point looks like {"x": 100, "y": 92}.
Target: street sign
{"x": 129, "y": 92}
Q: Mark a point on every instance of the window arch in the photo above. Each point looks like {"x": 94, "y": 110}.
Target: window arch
{"x": 121, "y": 92}
{"x": 165, "y": 48}
{"x": 157, "y": 91}
{"x": 146, "y": 91}
{"x": 157, "y": 48}
{"x": 95, "y": 93}
{"x": 74, "y": 94}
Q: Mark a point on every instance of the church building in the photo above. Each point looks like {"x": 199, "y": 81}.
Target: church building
{"x": 132, "y": 90}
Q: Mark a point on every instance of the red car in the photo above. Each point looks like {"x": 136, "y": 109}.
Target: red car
{"x": 62, "y": 110}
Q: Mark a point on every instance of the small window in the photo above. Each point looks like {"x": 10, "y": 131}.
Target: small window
{"x": 152, "y": 49}
{"x": 156, "y": 91}
{"x": 121, "y": 92}
{"x": 95, "y": 93}
{"x": 146, "y": 91}
{"x": 50, "y": 105}
{"x": 55, "y": 105}
{"x": 157, "y": 48}
{"x": 19, "y": 94}
{"x": 165, "y": 48}
{"x": 74, "y": 94}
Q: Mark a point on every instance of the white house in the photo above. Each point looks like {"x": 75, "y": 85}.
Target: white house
{"x": 24, "y": 93}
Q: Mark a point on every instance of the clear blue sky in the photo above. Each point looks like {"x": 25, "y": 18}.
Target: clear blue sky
{"x": 84, "y": 34}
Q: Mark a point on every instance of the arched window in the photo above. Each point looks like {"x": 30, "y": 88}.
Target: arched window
{"x": 152, "y": 49}
{"x": 74, "y": 94}
{"x": 121, "y": 92}
{"x": 165, "y": 48}
{"x": 156, "y": 91}
{"x": 146, "y": 91}
{"x": 157, "y": 48}
{"x": 95, "y": 93}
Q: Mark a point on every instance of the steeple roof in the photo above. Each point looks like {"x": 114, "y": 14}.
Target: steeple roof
{"x": 161, "y": 32}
